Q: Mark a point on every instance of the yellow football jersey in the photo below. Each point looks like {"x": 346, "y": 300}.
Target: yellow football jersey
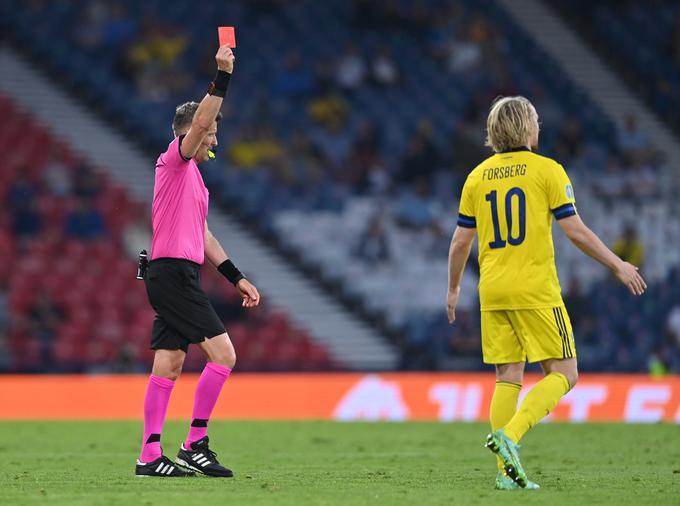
{"x": 511, "y": 199}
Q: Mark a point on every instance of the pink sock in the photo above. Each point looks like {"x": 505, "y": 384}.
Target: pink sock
{"x": 155, "y": 407}
{"x": 207, "y": 391}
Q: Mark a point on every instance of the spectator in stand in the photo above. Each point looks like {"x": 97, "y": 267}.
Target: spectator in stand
{"x": 26, "y": 221}
{"x": 465, "y": 337}
{"x": 435, "y": 241}
{"x": 611, "y": 186}
{"x": 422, "y": 157}
{"x": 551, "y": 112}
{"x": 21, "y": 191}
{"x": 102, "y": 25}
{"x": 579, "y": 305}
{"x": 127, "y": 361}
{"x": 414, "y": 208}
{"x": 438, "y": 35}
{"x": 256, "y": 9}
{"x": 373, "y": 247}
{"x": 86, "y": 183}
{"x": 334, "y": 142}
{"x": 256, "y": 146}
{"x": 673, "y": 326}
{"x": 673, "y": 46}
{"x": 44, "y": 319}
{"x": 85, "y": 221}
{"x": 306, "y": 161}
{"x": 350, "y": 70}
{"x": 642, "y": 182}
{"x": 384, "y": 70}
{"x": 324, "y": 77}
{"x": 418, "y": 18}
{"x": 21, "y": 199}
{"x": 328, "y": 109}
{"x": 466, "y": 151}
{"x": 418, "y": 347}
{"x": 365, "y": 161}
{"x": 119, "y": 28}
{"x": 152, "y": 61}
{"x": 629, "y": 247}
{"x": 632, "y": 141}
{"x": 569, "y": 144}
{"x": 90, "y": 32}
{"x": 658, "y": 362}
{"x": 473, "y": 115}
{"x": 367, "y": 14}
{"x": 293, "y": 80}
{"x": 464, "y": 54}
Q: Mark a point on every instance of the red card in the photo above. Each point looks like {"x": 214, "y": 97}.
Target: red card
{"x": 227, "y": 36}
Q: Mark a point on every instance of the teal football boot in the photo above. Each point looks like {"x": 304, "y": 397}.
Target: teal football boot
{"x": 502, "y": 445}
{"x": 504, "y": 482}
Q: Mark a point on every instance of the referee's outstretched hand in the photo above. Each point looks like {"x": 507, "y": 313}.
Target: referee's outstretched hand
{"x": 250, "y": 295}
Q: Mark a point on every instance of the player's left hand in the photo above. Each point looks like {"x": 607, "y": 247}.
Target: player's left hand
{"x": 250, "y": 295}
{"x": 451, "y": 303}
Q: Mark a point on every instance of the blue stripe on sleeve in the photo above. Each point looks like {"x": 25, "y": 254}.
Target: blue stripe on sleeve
{"x": 467, "y": 221}
{"x": 564, "y": 211}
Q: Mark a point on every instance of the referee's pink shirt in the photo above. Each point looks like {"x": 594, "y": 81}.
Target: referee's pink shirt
{"x": 180, "y": 207}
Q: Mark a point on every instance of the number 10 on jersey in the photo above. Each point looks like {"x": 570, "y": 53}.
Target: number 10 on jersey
{"x": 492, "y": 198}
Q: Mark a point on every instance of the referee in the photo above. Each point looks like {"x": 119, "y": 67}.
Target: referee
{"x": 184, "y": 315}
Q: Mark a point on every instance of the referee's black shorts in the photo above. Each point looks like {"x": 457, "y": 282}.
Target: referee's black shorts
{"x": 184, "y": 314}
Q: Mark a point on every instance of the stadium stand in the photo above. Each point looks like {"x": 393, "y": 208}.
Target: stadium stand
{"x": 650, "y": 60}
{"x": 359, "y": 120}
{"x": 64, "y": 225}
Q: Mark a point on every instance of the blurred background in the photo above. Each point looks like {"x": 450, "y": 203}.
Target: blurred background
{"x": 349, "y": 129}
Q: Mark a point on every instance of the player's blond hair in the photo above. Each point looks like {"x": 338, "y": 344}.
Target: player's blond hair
{"x": 510, "y": 124}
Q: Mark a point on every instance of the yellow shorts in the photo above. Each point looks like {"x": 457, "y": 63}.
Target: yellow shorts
{"x": 531, "y": 335}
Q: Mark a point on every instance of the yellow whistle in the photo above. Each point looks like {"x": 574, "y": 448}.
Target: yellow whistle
{"x": 211, "y": 154}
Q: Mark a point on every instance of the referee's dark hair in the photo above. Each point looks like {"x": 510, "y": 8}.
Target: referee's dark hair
{"x": 184, "y": 113}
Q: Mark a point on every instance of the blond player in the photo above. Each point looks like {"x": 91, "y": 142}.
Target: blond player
{"x": 509, "y": 201}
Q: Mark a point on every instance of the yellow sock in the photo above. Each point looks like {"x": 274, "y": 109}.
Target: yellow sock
{"x": 538, "y": 403}
{"x": 503, "y": 407}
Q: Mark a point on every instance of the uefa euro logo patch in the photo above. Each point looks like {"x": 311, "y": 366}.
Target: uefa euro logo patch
{"x": 569, "y": 191}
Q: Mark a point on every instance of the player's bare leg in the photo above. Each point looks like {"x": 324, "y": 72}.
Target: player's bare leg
{"x": 510, "y": 373}
{"x": 195, "y": 454}
{"x": 568, "y": 367}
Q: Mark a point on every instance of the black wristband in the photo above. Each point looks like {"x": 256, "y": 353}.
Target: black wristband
{"x": 220, "y": 84}
{"x": 229, "y": 271}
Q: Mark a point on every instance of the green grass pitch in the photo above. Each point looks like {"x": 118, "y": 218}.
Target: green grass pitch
{"x": 324, "y": 463}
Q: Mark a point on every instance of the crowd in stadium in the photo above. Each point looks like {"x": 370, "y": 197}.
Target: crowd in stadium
{"x": 366, "y": 116}
{"x": 650, "y": 61}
